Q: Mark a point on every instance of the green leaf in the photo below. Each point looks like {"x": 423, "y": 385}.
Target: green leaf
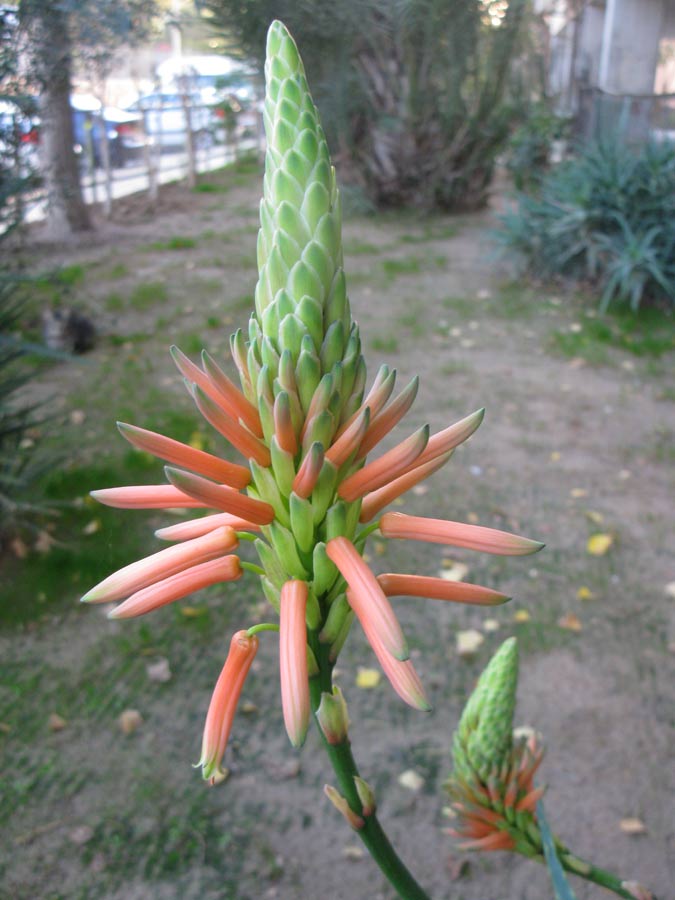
{"x": 561, "y": 885}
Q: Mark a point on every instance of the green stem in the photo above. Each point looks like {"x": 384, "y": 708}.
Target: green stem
{"x": 372, "y": 834}
{"x": 592, "y": 873}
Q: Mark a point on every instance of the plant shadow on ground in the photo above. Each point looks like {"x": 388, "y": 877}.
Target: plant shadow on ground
{"x": 93, "y": 812}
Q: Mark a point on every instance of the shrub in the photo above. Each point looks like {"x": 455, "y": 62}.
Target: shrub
{"x": 21, "y": 461}
{"x": 608, "y": 217}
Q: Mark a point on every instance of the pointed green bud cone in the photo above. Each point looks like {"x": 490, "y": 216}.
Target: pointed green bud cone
{"x": 269, "y": 355}
{"x": 336, "y": 521}
{"x": 337, "y": 613}
{"x": 282, "y": 467}
{"x": 307, "y": 376}
{"x": 312, "y": 664}
{"x": 333, "y": 717}
{"x": 320, "y": 428}
{"x": 366, "y": 796}
{"x": 343, "y": 634}
{"x": 287, "y": 551}
{"x": 291, "y": 332}
{"x": 271, "y": 593}
{"x": 324, "y": 491}
{"x": 271, "y": 564}
{"x": 312, "y": 611}
{"x": 302, "y": 523}
{"x": 333, "y": 346}
{"x": 325, "y": 575}
{"x": 309, "y": 311}
{"x": 268, "y": 491}
{"x": 483, "y": 740}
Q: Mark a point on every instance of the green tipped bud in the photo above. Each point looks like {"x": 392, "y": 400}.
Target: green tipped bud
{"x": 273, "y": 569}
{"x": 307, "y": 375}
{"x": 333, "y": 717}
{"x": 302, "y": 522}
{"x": 366, "y": 796}
{"x": 286, "y": 549}
{"x": 325, "y": 574}
{"x": 483, "y": 740}
{"x": 282, "y": 467}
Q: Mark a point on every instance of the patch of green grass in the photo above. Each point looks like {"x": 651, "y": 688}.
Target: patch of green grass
{"x": 210, "y": 187}
{"x": 666, "y": 394}
{"x": 192, "y": 343}
{"x": 137, "y": 337}
{"x": 147, "y": 294}
{"x": 463, "y": 307}
{"x": 213, "y": 322}
{"x": 660, "y": 446}
{"x": 177, "y": 242}
{"x": 648, "y": 334}
{"x": 353, "y": 247}
{"x": 413, "y": 322}
{"x": 404, "y": 265}
{"x": 70, "y": 275}
{"x": 243, "y": 302}
{"x": 114, "y": 302}
{"x": 513, "y": 301}
{"x": 385, "y": 344}
{"x": 118, "y": 270}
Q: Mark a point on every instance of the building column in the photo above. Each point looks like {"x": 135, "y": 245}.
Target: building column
{"x": 630, "y": 46}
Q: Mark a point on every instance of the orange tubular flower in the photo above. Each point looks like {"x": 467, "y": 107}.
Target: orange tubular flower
{"x": 227, "y": 691}
{"x": 160, "y": 565}
{"x": 371, "y": 604}
{"x": 183, "y": 531}
{"x": 439, "y": 589}
{"x": 401, "y": 674}
{"x": 293, "y": 660}
{"x": 175, "y": 587}
{"x": 441, "y": 531}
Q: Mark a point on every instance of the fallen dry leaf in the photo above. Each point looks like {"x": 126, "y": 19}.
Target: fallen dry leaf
{"x": 570, "y": 622}
{"x": 92, "y": 527}
{"x": 585, "y": 593}
{"x": 44, "y": 542}
{"x": 81, "y": 835}
{"x": 670, "y": 589}
{"x": 193, "y": 612}
{"x": 595, "y": 517}
{"x": 248, "y": 708}
{"x": 55, "y": 722}
{"x": 368, "y": 678}
{"x": 490, "y": 625}
{"x": 411, "y": 780}
{"x": 468, "y": 641}
{"x": 78, "y": 416}
{"x": 129, "y": 721}
{"x": 632, "y": 826}
{"x": 159, "y": 670}
{"x": 598, "y": 544}
{"x": 578, "y": 492}
{"x": 380, "y": 548}
{"x": 521, "y": 615}
{"x": 353, "y": 852}
{"x": 555, "y": 456}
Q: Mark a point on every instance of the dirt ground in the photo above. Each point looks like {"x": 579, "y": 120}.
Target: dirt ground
{"x": 571, "y": 445}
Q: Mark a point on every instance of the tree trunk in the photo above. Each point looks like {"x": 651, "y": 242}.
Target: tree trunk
{"x": 66, "y": 211}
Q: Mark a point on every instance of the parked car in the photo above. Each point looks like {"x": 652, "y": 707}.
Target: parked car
{"x": 164, "y": 115}
{"x": 122, "y": 127}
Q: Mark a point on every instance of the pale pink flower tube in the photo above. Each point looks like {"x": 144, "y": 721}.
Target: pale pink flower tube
{"x": 370, "y": 603}
{"x": 442, "y": 531}
{"x": 223, "y": 704}
{"x": 293, "y": 660}
{"x": 183, "y": 531}
{"x": 175, "y": 587}
{"x": 161, "y": 565}
{"x": 402, "y": 675}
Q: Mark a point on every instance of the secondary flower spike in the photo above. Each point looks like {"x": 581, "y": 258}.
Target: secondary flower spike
{"x": 307, "y": 429}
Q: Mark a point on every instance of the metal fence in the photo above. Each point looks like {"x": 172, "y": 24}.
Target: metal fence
{"x": 632, "y": 118}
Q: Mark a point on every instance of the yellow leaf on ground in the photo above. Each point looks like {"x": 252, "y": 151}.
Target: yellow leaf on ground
{"x": 595, "y": 517}
{"x": 585, "y": 593}
{"x": 555, "y": 456}
{"x": 521, "y": 615}
{"x": 129, "y": 721}
{"x": 598, "y": 544}
{"x": 491, "y": 625}
{"x": 368, "y": 678}
{"x": 55, "y": 722}
{"x": 570, "y": 622}
{"x": 193, "y": 612}
{"x": 632, "y": 826}
{"x": 578, "y": 492}
{"x": 468, "y": 641}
